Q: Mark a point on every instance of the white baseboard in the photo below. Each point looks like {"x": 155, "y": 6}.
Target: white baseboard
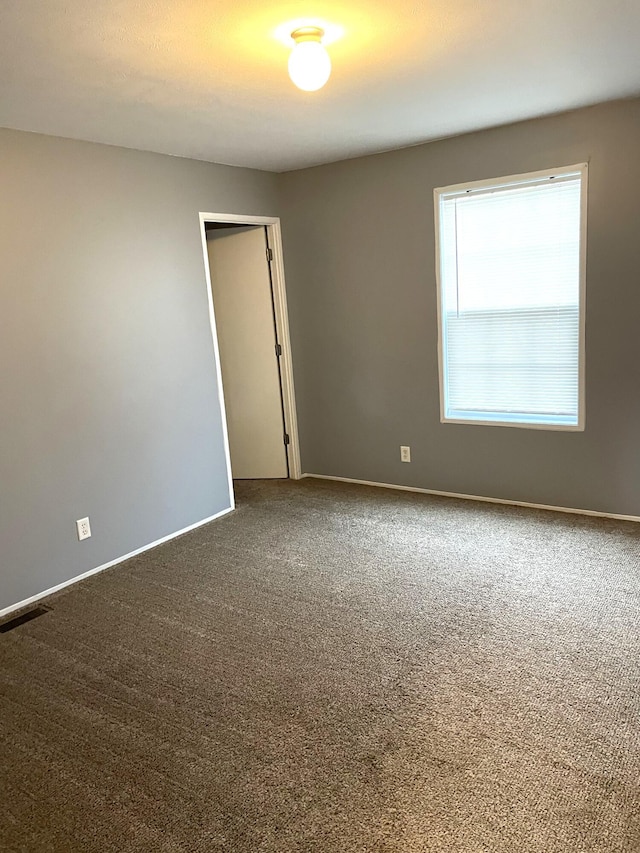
{"x": 570, "y": 510}
{"x": 27, "y": 601}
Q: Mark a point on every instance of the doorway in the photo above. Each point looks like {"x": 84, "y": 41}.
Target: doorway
{"x": 247, "y": 301}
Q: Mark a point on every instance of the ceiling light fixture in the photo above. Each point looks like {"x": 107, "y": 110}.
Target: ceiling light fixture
{"x": 309, "y": 63}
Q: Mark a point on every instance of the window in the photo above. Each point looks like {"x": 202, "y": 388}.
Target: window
{"x": 511, "y": 271}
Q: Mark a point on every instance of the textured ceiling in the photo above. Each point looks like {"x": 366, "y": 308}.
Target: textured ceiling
{"x": 209, "y": 79}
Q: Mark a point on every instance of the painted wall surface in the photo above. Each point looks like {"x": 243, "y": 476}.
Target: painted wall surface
{"x": 108, "y": 397}
{"x": 359, "y": 250}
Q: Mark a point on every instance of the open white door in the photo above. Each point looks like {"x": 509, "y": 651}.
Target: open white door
{"x": 243, "y": 306}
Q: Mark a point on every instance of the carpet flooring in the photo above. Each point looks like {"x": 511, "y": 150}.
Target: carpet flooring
{"x": 335, "y": 669}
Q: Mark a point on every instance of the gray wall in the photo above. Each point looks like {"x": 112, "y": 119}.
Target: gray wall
{"x": 359, "y": 251}
{"x": 108, "y": 398}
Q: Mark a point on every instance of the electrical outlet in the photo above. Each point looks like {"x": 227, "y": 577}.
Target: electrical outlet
{"x": 405, "y": 453}
{"x": 84, "y": 529}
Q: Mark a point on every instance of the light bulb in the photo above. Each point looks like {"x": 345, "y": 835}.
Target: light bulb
{"x": 309, "y": 63}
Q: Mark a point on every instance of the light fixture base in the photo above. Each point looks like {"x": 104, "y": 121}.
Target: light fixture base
{"x": 307, "y": 34}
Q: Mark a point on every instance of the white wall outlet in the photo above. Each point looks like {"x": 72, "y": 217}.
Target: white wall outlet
{"x": 84, "y": 529}
{"x": 405, "y": 453}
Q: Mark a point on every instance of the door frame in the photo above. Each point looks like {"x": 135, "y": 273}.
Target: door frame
{"x": 274, "y": 238}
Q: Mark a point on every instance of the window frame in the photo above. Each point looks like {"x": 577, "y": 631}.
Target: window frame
{"x": 500, "y": 184}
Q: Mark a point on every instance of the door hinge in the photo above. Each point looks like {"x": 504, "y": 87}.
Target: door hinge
{"x": 269, "y": 254}
{"x": 286, "y": 438}
{"x": 278, "y": 350}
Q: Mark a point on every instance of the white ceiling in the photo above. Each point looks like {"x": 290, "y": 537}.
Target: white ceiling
{"x": 209, "y": 79}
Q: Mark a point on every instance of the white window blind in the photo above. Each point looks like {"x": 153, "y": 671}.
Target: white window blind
{"x": 510, "y": 300}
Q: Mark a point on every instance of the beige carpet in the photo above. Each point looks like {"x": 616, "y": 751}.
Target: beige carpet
{"x": 336, "y": 669}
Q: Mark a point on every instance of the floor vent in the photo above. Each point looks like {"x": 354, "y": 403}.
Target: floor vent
{"x": 24, "y": 617}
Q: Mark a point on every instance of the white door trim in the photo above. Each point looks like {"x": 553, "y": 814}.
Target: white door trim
{"x": 274, "y": 235}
